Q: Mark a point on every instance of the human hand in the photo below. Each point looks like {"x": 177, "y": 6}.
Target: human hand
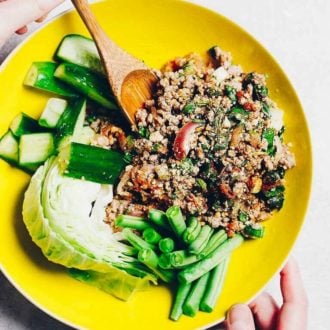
{"x": 263, "y": 313}
{"x": 15, "y": 14}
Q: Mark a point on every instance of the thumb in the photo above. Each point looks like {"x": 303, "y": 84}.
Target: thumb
{"x": 16, "y": 13}
{"x": 240, "y": 318}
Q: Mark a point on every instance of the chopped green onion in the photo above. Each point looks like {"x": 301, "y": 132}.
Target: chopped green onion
{"x": 254, "y": 231}
{"x": 144, "y": 132}
{"x": 189, "y": 108}
{"x": 242, "y": 216}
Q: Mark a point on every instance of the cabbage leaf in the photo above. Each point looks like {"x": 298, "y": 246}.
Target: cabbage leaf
{"x": 64, "y": 217}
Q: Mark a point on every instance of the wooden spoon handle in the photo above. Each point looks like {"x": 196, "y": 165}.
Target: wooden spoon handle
{"x": 92, "y": 25}
{"x": 110, "y": 53}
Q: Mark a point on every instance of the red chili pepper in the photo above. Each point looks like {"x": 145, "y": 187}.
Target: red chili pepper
{"x": 239, "y": 94}
{"x": 249, "y": 106}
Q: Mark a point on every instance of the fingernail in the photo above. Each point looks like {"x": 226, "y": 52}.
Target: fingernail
{"x": 239, "y": 317}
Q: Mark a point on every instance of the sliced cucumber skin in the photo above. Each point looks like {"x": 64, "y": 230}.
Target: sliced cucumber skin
{"x": 52, "y": 112}
{"x": 87, "y": 83}
{"x": 9, "y": 148}
{"x": 79, "y": 50}
{"x": 34, "y": 149}
{"x": 24, "y": 124}
{"x": 41, "y": 76}
{"x": 91, "y": 163}
{"x": 70, "y": 123}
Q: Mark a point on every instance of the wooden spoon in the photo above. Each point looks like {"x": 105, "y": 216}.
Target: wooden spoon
{"x": 131, "y": 81}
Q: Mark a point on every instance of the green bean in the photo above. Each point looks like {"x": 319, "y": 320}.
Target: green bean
{"x": 158, "y": 218}
{"x": 129, "y": 221}
{"x": 201, "y": 240}
{"x": 182, "y": 293}
{"x": 150, "y": 259}
{"x": 164, "y": 261}
{"x": 203, "y": 266}
{"x": 214, "y": 286}
{"x": 216, "y": 239}
{"x": 166, "y": 245}
{"x": 176, "y": 220}
{"x": 192, "y": 231}
{"x": 182, "y": 258}
{"x": 192, "y": 302}
{"x": 135, "y": 240}
{"x": 151, "y": 236}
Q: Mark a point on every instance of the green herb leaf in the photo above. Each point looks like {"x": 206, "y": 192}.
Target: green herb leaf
{"x": 202, "y": 184}
{"x": 231, "y": 93}
{"x": 238, "y": 114}
{"x": 269, "y": 134}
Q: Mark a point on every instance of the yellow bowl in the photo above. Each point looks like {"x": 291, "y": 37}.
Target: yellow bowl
{"x": 155, "y": 31}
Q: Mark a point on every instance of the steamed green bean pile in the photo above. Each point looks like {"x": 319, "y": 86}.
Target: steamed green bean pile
{"x": 182, "y": 251}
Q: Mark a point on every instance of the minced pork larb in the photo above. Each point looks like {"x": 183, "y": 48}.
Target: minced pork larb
{"x": 209, "y": 142}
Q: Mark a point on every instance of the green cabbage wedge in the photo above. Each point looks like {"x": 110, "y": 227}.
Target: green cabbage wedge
{"x": 64, "y": 217}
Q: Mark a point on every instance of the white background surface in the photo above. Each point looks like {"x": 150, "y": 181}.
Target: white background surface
{"x": 296, "y": 32}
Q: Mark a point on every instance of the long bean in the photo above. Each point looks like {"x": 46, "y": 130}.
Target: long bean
{"x": 203, "y": 266}
{"x": 151, "y": 236}
{"x": 201, "y": 240}
{"x": 192, "y": 302}
{"x": 166, "y": 245}
{"x": 129, "y": 221}
{"x": 150, "y": 259}
{"x": 136, "y": 240}
{"x": 192, "y": 231}
{"x": 164, "y": 261}
{"x": 158, "y": 218}
{"x": 214, "y": 286}
{"x": 176, "y": 220}
{"x": 182, "y": 293}
{"x": 182, "y": 258}
{"x": 216, "y": 239}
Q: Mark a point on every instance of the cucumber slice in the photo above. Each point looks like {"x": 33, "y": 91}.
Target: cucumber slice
{"x": 24, "y": 124}
{"x": 41, "y": 76}
{"x": 79, "y": 50}
{"x": 9, "y": 148}
{"x": 34, "y": 149}
{"x": 70, "y": 123}
{"x": 91, "y": 163}
{"x": 87, "y": 83}
{"x": 52, "y": 112}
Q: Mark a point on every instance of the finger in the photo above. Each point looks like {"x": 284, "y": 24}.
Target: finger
{"x": 240, "y": 318}
{"x": 22, "y": 30}
{"x": 293, "y": 313}
{"x": 17, "y": 13}
{"x": 41, "y": 19}
{"x": 265, "y": 311}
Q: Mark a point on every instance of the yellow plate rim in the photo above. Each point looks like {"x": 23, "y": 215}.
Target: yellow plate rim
{"x": 279, "y": 67}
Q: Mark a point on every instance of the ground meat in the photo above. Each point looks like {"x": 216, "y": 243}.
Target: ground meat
{"x": 205, "y": 143}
